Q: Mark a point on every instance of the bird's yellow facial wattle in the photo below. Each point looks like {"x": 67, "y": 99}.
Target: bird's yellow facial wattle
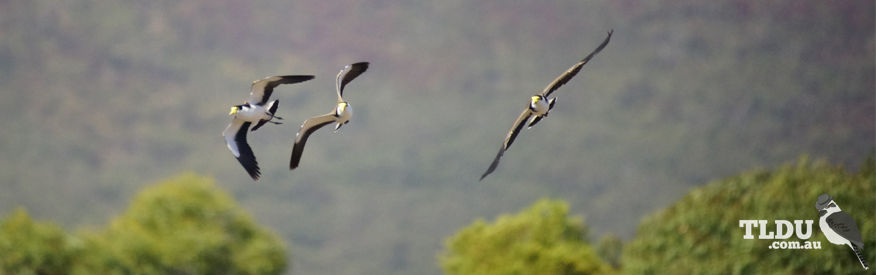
{"x": 233, "y": 110}
{"x": 535, "y": 99}
{"x": 341, "y": 107}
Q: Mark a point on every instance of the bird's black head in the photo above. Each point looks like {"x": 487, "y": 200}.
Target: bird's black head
{"x": 822, "y": 201}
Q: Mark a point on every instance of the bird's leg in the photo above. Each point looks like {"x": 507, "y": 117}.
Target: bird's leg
{"x": 271, "y": 120}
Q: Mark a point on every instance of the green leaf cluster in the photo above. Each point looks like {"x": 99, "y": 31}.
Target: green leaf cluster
{"x": 31, "y": 247}
{"x": 183, "y": 225}
{"x": 541, "y": 239}
{"x": 700, "y": 234}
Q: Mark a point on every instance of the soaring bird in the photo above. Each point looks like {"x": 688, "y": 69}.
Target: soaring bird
{"x": 839, "y": 227}
{"x": 539, "y": 105}
{"x": 340, "y": 114}
{"x": 256, "y": 109}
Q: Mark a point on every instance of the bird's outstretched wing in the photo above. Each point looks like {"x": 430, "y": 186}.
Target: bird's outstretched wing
{"x": 262, "y": 89}
{"x": 843, "y": 224}
{"x": 571, "y": 72}
{"x": 235, "y": 139}
{"x": 308, "y": 127}
{"x": 515, "y": 129}
{"x": 346, "y": 75}
{"x": 509, "y": 139}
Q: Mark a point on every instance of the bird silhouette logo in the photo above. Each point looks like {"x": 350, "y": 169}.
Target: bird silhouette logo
{"x": 839, "y": 228}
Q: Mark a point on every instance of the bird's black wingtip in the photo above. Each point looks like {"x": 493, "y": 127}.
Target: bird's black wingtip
{"x": 362, "y": 66}
{"x": 494, "y": 164}
{"x": 293, "y": 162}
{"x": 297, "y": 150}
{"x": 296, "y": 158}
{"x": 256, "y": 176}
{"x": 290, "y": 79}
{"x": 254, "y": 172}
{"x": 489, "y": 171}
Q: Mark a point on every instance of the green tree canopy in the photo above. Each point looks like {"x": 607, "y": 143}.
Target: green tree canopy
{"x": 700, "y": 234}
{"x": 542, "y": 239}
{"x": 609, "y": 248}
{"x": 30, "y": 247}
{"x": 183, "y": 225}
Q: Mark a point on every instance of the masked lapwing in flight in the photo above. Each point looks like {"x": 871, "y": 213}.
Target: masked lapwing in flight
{"x": 256, "y": 109}
{"x": 539, "y": 105}
{"x": 340, "y": 115}
{"x": 839, "y": 227}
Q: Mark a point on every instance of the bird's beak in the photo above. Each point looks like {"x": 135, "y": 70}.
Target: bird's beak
{"x": 233, "y": 110}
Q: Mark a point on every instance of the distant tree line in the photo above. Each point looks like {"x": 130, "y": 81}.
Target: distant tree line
{"x": 186, "y": 225}
{"x": 699, "y": 234}
{"x": 183, "y": 225}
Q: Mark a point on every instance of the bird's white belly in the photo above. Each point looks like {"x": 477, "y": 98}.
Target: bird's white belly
{"x": 252, "y": 114}
{"x": 541, "y": 107}
{"x": 831, "y": 236}
{"x": 345, "y": 116}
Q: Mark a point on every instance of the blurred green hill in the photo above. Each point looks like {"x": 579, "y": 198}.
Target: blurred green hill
{"x": 103, "y": 98}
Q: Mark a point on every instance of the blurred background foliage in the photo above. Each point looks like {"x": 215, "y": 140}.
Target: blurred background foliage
{"x": 32, "y": 247}
{"x": 103, "y": 98}
{"x": 541, "y": 239}
{"x": 182, "y": 225}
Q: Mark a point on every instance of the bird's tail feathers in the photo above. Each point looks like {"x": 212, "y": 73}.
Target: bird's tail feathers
{"x": 860, "y": 256}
